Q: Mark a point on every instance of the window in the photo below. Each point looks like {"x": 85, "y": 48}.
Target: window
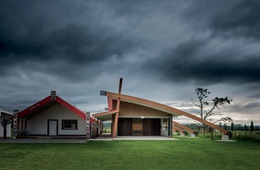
{"x": 165, "y": 124}
{"x": 70, "y": 124}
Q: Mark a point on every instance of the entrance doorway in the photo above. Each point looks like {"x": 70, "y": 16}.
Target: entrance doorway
{"x": 52, "y": 127}
{"x": 151, "y": 127}
{"x": 124, "y": 127}
{"x": 139, "y": 127}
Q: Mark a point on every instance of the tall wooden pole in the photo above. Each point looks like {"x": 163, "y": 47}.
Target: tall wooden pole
{"x": 120, "y": 86}
{"x": 117, "y": 108}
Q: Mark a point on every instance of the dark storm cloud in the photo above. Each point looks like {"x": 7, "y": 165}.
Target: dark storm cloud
{"x": 240, "y": 20}
{"x": 192, "y": 61}
{"x": 255, "y": 96}
{"x": 162, "y": 49}
{"x": 42, "y": 33}
{"x": 247, "y": 108}
{"x": 207, "y": 57}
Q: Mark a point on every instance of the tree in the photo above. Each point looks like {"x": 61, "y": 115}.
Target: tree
{"x": 252, "y": 126}
{"x": 232, "y": 126}
{"x": 225, "y": 126}
{"x": 245, "y": 127}
{"x": 207, "y": 108}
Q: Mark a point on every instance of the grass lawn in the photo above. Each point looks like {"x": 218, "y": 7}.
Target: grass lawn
{"x": 186, "y": 153}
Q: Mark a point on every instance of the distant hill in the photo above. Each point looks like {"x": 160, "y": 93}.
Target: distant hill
{"x": 106, "y": 125}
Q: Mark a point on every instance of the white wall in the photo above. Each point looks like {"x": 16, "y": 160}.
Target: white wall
{"x": 38, "y": 125}
{"x": 8, "y": 127}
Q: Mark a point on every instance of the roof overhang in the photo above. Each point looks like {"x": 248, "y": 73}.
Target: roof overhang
{"x": 105, "y": 116}
{"x": 5, "y": 112}
{"x": 46, "y": 103}
{"x": 144, "y": 102}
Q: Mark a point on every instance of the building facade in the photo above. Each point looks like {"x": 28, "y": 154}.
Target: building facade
{"x": 52, "y": 116}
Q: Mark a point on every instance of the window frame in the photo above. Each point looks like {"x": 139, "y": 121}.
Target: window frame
{"x": 165, "y": 124}
{"x": 69, "y": 122}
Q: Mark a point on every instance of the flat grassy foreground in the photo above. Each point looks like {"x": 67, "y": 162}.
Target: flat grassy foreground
{"x": 196, "y": 153}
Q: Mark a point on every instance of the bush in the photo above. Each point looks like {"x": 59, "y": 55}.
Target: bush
{"x": 196, "y": 133}
{"x": 230, "y": 134}
{"x": 185, "y": 132}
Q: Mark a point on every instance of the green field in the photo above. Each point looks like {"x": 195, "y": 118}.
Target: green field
{"x": 186, "y": 153}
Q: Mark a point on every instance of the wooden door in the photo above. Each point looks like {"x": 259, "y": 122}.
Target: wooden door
{"x": 52, "y": 127}
{"x": 151, "y": 127}
{"x": 155, "y": 127}
{"x": 146, "y": 127}
{"x": 124, "y": 127}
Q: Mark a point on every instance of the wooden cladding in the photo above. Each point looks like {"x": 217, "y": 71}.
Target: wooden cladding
{"x": 130, "y": 109}
{"x": 124, "y": 127}
{"x": 139, "y": 127}
{"x": 151, "y": 127}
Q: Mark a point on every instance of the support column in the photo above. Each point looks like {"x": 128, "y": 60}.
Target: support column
{"x": 115, "y": 126}
{"x": 22, "y": 123}
{"x": 170, "y": 127}
{"x": 25, "y": 124}
{"x": 117, "y": 108}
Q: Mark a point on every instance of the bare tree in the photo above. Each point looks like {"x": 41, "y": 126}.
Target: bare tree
{"x": 207, "y": 108}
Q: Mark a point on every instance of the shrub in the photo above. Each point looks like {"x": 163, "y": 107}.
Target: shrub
{"x": 185, "y": 132}
{"x": 196, "y": 133}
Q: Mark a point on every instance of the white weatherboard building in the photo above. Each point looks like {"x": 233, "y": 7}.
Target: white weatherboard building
{"x": 52, "y": 116}
{"x": 5, "y": 116}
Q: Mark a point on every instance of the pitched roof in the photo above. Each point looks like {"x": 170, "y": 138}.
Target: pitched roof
{"x": 47, "y": 103}
{"x": 5, "y": 112}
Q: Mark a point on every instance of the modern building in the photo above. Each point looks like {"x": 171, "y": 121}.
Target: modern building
{"x": 133, "y": 116}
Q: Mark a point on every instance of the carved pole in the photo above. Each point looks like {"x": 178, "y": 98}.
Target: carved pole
{"x": 87, "y": 125}
{"x": 15, "y": 119}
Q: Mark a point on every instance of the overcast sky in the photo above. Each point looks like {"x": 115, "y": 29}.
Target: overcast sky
{"x": 164, "y": 50}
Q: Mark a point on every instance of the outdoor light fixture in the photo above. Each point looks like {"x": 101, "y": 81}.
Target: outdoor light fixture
{"x": 103, "y": 93}
{"x": 142, "y": 117}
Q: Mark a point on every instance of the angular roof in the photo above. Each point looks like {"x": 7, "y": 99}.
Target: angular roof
{"x": 105, "y": 116}
{"x": 135, "y": 100}
{"x": 147, "y": 103}
{"x": 47, "y": 103}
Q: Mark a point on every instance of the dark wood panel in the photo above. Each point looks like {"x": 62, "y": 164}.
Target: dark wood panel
{"x": 155, "y": 127}
{"x": 124, "y": 127}
{"x": 151, "y": 127}
{"x": 146, "y": 127}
